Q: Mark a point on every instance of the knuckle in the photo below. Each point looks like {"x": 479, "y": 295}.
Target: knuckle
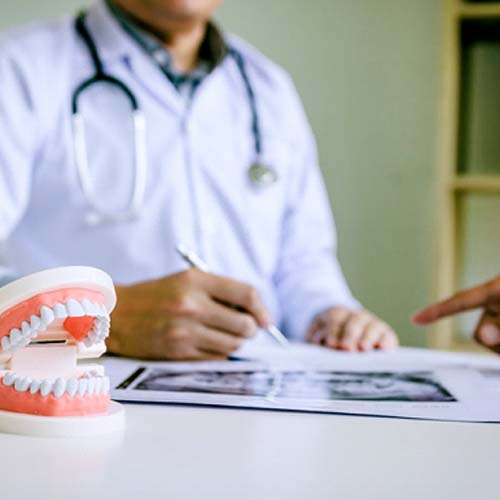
{"x": 188, "y": 276}
{"x": 185, "y": 306}
{"x": 177, "y": 333}
{"x": 351, "y": 330}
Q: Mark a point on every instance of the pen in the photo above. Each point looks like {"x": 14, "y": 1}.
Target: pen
{"x": 195, "y": 261}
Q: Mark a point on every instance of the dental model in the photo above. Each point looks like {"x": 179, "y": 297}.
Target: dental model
{"x": 48, "y": 322}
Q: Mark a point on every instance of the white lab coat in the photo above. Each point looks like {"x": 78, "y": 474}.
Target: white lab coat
{"x": 280, "y": 239}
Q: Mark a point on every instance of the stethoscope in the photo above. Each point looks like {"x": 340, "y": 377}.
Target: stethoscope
{"x": 259, "y": 174}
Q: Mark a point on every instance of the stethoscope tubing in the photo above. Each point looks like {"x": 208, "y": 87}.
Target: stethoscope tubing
{"x": 99, "y": 213}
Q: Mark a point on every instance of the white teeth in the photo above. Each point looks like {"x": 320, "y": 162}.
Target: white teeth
{"x": 45, "y": 387}
{"x": 9, "y": 378}
{"x": 105, "y": 385}
{"x": 59, "y": 387}
{"x": 22, "y": 383}
{"x": 47, "y": 315}
{"x": 88, "y": 307}
{"x": 71, "y": 387}
{"x": 35, "y": 386}
{"x": 26, "y": 329}
{"x": 88, "y": 385}
{"x": 82, "y": 386}
{"x": 60, "y": 311}
{"x": 5, "y": 343}
{"x": 35, "y": 323}
{"x": 15, "y": 336}
{"x": 74, "y": 308}
{"x": 91, "y": 386}
{"x": 96, "y": 309}
{"x": 20, "y": 337}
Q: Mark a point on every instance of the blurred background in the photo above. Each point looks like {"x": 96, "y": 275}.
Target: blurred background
{"x": 369, "y": 74}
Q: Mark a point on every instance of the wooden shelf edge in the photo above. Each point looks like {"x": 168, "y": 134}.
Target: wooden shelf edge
{"x": 482, "y": 183}
{"x": 478, "y": 11}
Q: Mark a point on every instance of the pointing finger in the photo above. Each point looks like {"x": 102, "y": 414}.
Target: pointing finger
{"x": 465, "y": 300}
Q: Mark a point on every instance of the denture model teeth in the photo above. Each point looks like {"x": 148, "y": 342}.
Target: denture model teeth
{"x": 27, "y": 331}
{"x": 45, "y": 320}
{"x": 83, "y": 386}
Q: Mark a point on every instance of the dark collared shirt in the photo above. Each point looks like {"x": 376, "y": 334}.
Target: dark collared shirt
{"x": 212, "y": 51}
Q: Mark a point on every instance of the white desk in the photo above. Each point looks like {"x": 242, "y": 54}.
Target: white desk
{"x": 191, "y": 453}
{"x": 203, "y": 453}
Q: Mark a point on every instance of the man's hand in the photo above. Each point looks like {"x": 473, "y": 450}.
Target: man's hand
{"x": 486, "y": 297}
{"x": 186, "y": 316}
{"x": 342, "y": 328}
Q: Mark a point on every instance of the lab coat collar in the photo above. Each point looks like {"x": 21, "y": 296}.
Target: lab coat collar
{"x": 114, "y": 45}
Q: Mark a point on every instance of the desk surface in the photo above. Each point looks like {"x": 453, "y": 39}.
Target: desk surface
{"x": 201, "y": 453}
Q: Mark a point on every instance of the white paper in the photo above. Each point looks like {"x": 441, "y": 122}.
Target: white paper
{"x": 408, "y": 383}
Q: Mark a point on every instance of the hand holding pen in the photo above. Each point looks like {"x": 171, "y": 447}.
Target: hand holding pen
{"x": 196, "y": 262}
{"x": 185, "y": 316}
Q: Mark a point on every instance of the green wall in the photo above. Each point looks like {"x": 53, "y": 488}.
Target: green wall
{"x": 368, "y": 74}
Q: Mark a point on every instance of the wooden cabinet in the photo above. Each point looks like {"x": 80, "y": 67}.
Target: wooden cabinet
{"x": 469, "y": 158}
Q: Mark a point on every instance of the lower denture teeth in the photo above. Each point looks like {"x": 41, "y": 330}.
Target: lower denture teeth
{"x": 59, "y": 387}
{"x": 45, "y": 387}
{"x": 35, "y": 386}
{"x": 9, "y": 378}
{"x": 91, "y": 386}
{"x": 82, "y": 386}
{"x": 105, "y": 385}
{"x": 22, "y": 383}
{"x": 71, "y": 387}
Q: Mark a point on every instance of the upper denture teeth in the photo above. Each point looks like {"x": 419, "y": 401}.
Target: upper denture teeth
{"x": 74, "y": 308}
{"x": 26, "y": 329}
{"x": 15, "y": 335}
{"x": 47, "y": 315}
{"x": 5, "y": 343}
{"x": 20, "y": 337}
{"x": 88, "y": 307}
{"x": 60, "y": 311}
{"x": 35, "y": 323}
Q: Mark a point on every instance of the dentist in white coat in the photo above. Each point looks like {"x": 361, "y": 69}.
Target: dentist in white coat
{"x": 228, "y": 168}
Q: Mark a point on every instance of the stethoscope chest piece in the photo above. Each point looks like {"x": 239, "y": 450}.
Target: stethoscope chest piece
{"x": 261, "y": 175}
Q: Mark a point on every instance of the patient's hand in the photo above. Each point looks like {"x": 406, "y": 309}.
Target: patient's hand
{"x": 185, "y": 316}
{"x": 348, "y": 330}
